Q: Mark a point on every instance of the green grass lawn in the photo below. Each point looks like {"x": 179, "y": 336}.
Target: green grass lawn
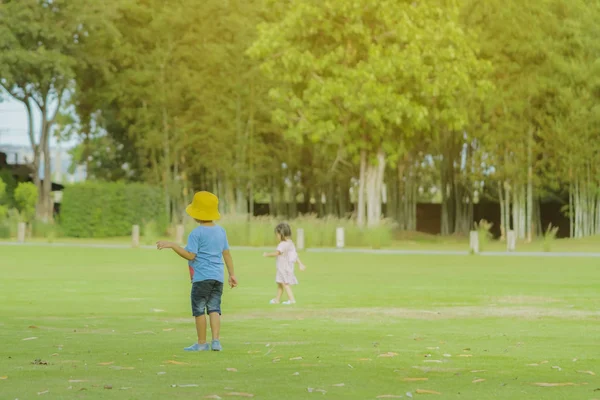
{"x": 366, "y": 326}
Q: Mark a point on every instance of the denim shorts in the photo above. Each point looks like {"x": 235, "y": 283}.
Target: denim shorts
{"x": 206, "y": 297}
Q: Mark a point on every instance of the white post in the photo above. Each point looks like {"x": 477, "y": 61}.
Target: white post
{"x": 511, "y": 241}
{"x": 179, "y": 231}
{"x": 339, "y": 238}
{"x": 21, "y": 231}
{"x": 474, "y": 242}
{"x": 300, "y": 239}
{"x": 135, "y": 236}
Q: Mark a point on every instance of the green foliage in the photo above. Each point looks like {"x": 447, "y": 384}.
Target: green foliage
{"x": 98, "y": 209}
{"x": 550, "y": 237}
{"x": 483, "y": 229}
{"x": 10, "y": 186}
{"x": 3, "y": 207}
{"x": 46, "y": 230}
{"x": 26, "y": 197}
{"x": 318, "y": 232}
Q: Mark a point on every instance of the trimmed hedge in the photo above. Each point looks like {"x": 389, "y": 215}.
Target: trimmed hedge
{"x": 99, "y": 209}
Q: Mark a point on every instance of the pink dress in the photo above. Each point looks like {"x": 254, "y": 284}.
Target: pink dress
{"x": 285, "y": 263}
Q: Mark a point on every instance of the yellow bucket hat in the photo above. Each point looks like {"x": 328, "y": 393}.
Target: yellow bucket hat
{"x": 204, "y": 207}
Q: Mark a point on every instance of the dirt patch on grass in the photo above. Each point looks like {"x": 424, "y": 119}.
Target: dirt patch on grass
{"x": 359, "y": 314}
{"x": 524, "y": 300}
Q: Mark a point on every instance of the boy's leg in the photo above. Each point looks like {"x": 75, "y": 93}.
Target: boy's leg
{"x": 199, "y": 299}
{"x": 215, "y": 325}
{"x": 290, "y": 293}
{"x": 201, "y": 328}
{"x": 214, "y": 312}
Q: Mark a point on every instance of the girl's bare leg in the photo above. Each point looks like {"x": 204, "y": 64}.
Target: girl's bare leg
{"x": 279, "y": 292}
{"x": 290, "y": 293}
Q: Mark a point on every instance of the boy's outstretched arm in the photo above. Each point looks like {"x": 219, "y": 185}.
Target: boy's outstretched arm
{"x": 229, "y": 263}
{"x": 183, "y": 253}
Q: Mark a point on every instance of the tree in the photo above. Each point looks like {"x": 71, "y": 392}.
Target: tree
{"x": 40, "y": 42}
{"x": 363, "y": 76}
{"x": 26, "y": 195}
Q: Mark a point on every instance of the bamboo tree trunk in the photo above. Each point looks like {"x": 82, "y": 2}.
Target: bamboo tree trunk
{"x": 529, "y": 222}
{"x": 47, "y": 185}
{"x": 293, "y": 200}
{"x": 401, "y": 196}
{"x": 445, "y": 224}
{"x": 360, "y": 212}
{"x": 374, "y": 186}
{"x": 502, "y": 212}
{"x": 413, "y": 200}
{"x": 273, "y": 211}
{"x": 571, "y": 211}
{"x": 343, "y": 196}
{"x": 507, "y": 195}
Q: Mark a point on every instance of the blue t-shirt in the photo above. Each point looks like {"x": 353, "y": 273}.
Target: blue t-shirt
{"x": 208, "y": 243}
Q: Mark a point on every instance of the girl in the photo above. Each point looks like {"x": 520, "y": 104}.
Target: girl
{"x": 287, "y": 257}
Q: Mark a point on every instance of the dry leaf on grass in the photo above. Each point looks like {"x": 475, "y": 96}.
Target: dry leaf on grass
{"x": 54, "y": 354}
{"x": 232, "y": 370}
{"x": 185, "y": 386}
{"x": 423, "y": 391}
{"x": 37, "y": 361}
{"x": 33, "y": 327}
{"x": 3, "y": 378}
{"x": 44, "y": 392}
{"x": 544, "y": 384}
{"x": 168, "y": 329}
{"x": 587, "y": 372}
{"x": 388, "y": 354}
{"x": 478, "y": 380}
{"x": 176, "y": 362}
{"x": 106, "y": 363}
{"x": 543, "y": 362}
{"x": 108, "y": 387}
{"x": 415, "y": 379}
{"x": 239, "y": 394}
{"x": 339, "y": 385}
{"x": 117, "y": 368}
{"x": 30, "y": 338}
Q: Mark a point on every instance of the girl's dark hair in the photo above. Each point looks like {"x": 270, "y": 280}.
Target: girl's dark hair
{"x": 284, "y": 230}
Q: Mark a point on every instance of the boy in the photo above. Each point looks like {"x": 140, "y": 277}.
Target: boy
{"x": 206, "y": 249}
